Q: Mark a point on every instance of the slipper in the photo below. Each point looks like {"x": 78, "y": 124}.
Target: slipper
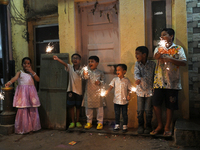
{"x": 167, "y": 133}
{"x": 154, "y": 132}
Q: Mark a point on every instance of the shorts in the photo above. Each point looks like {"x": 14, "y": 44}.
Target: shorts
{"x": 169, "y": 95}
{"x": 74, "y": 99}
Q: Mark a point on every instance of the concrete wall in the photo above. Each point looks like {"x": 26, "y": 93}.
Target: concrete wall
{"x": 193, "y": 27}
{"x": 19, "y": 34}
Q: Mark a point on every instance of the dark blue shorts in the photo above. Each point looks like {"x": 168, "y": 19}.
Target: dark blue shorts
{"x": 74, "y": 99}
{"x": 170, "y": 97}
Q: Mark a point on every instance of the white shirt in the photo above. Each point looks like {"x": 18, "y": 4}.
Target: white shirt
{"x": 75, "y": 80}
{"x": 121, "y": 90}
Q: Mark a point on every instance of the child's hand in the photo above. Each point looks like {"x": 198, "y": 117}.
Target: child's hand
{"x": 55, "y": 57}
{"x": 162, "y": 50}
{"x": 8, "y": 84}
{"x": 137, "y": 82}
{"x": 29, "y": 69}
{"x": 128, "y": 98}
{"x": 97, "y": 82}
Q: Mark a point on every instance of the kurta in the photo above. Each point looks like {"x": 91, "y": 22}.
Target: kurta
{"x": 92, "y": 98}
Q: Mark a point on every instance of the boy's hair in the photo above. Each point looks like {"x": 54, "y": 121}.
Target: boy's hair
{"x": 170, "y": 31}
{"x": 143, "y": 49}
{"x": 96, "y": 58}
{"x": 76, "y": 54}
{"x": 26, "y": 58}
{"x": 124, "y": 67}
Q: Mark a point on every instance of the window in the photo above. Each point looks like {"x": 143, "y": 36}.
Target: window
{"x": 44, "y": 35}
{"x": 158, "y": 16}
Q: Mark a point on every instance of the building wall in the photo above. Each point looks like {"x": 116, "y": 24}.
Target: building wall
{"x": 19, "y": 34}
{"x": 131, "y": 33}
{"x": 193, "y": 27}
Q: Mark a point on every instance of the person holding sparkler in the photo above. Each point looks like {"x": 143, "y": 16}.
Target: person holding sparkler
{"x": 92, "y": 100}
{"x": 26, "y": 99}
{"x": 122, "y": 87}
{"x": 144, "y": 74}
{"x": 74, "y": 90}
{"x": 167, "y": 80}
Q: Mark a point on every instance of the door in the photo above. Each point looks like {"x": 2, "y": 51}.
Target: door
{"x": 99, "y": 25}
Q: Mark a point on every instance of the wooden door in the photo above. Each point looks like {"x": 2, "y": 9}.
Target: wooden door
{"x": 100, "y": 37}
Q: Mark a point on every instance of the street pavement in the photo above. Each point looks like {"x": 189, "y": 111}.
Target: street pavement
{"x": 87, "y": 140}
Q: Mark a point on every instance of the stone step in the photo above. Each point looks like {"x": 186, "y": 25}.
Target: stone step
{"x": 187, "y": 133}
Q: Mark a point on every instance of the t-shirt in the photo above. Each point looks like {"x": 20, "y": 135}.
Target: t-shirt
{"x": 75, "y": 80}
{"x": 167, "y": 75}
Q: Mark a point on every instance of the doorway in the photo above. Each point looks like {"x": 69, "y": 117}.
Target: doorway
{"x": 99, "y": 36}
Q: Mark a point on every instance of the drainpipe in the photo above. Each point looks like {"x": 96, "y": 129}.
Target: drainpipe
{"x": 7, "y": 117}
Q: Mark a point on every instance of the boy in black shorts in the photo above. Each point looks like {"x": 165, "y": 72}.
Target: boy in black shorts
{"x": 74, "y": 91}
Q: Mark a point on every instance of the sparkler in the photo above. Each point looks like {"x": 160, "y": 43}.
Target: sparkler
{"x": 103, "y": 93}
{"x": 2, "y": 96}
{"x": 49, "y": 48}
{"x": 162, "y": 43}
{"x": 133, "y": 89}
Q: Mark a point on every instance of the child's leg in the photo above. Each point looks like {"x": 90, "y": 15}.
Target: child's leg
{"x": 168, "y": 119}
{"x": 100, "y": 115}
{"x": 89, "y": 114}
{"x": 140, "y": 111}
{"x": 23, "y": 121}
{"x": 158, "y": 113}
{"x": 124, "y": 114}
{"x": 71, "y": 109}
{"x": 117, "y": 113}
{"x": 148, "y": 111}
{"x": 77, "y": 113}
{"x": 35, "y": 119}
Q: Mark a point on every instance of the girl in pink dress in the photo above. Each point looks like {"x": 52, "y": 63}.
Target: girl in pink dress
{"x": 26, "y": 99}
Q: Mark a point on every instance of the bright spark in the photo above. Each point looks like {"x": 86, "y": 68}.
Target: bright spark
{"x": 162, "y": 43}
{"x": 133, "y": 89}
{"x": 1, "y": 96}
{"x": 103, "y": 93}
{"x": 49, "y": 48}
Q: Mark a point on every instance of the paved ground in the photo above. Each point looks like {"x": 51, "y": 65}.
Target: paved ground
{"x": 58, "y": 140}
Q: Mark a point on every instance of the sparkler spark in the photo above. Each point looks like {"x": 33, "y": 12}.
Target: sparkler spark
{"x": 1, "y": 96}
{"x": 49, "y": 48}
{"x": 133, "y": 89}
{"x": 103, "y": 93}
{"x": 162, "y": 43}
{"x": 85, "y": 69}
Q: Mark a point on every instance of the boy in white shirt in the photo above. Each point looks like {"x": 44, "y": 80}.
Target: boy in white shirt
{"x": 74, "y": 91}
{"x": 122, "y": 87}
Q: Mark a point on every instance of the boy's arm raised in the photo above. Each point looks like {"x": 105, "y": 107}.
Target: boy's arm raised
{"x": 60, "y": 61}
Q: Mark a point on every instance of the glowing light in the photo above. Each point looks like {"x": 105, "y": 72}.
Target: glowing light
{"x": 167, "y": 68}
{"x": 85, "y": 69}
{"x": 1, "y": 96}
{"x": 103, "y": 93}
{"x": 49, "y": 48}
{"x": 133, "y": 89}
{"x": 162, "y": 43}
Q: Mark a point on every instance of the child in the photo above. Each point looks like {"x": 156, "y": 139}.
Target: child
{"x": 92, "y": 100}
{"x": 26, "y": 99}
{"x": 122, "y": 87}
{"x": 144, "y": 73}
{"x": 167, "y": 80}
{"x": 74, "y": 91}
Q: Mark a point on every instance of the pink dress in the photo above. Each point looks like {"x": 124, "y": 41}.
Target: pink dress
{"x": 26, "y": 100}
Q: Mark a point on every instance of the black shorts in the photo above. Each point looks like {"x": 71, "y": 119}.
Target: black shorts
{"x": 170, "y": 97}
{"x": 74, "y": 99}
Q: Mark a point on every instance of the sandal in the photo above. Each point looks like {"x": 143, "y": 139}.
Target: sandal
{"x": 167, "y": 133}
{"x": 154, "y": 132}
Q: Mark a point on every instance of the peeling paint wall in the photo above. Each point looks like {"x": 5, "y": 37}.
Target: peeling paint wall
{"x": 132, "y": 35}
{"x": 19, "y": 33}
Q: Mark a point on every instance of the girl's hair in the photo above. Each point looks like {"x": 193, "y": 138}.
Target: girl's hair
{"x": 26, "y": 58}
{"x": 143, "y": 49}
{"x": 96, "y": 58}
{"x": 124, "y": 66}
{"x": 170, "y": 31}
